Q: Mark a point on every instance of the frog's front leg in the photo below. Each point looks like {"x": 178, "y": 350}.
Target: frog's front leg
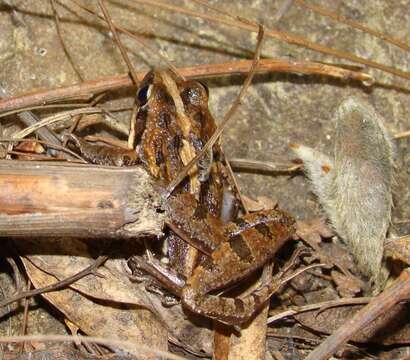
{"x": 172, "y": 281}
{"x": 104, "y": 154}
{"x": 250, "y": 242}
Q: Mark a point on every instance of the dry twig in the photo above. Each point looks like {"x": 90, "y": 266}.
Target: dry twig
{"x": 228, "y": 116}
{"x": 88, "y": 89}
{"x": 398, "y": 292}
{"x": 58, "y": 285}
{"x": 112, "y": 342}
{"x": 276, "y": 34}
{"x": 354, "y": 24}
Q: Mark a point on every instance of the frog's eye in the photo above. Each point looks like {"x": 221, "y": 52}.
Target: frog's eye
{"x": 190, "y": 95}
{"x": 143, "y": 94}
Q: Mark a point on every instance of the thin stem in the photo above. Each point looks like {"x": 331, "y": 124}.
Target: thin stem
{"x": 118, "y": 42}
{"x": 88, "y": 89}
{"x": 58, "y": 285}
{"x": 276, "y": 34}
{"x": 354, "y": 24}
{"x": 225, "y": 120}
{"x": 63, "y": 44}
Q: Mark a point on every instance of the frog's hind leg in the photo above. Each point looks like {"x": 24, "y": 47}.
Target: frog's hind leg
{"x": 250, "y": 242}
{"x": 235, "y": 311}
{"x": 231, "y": 311}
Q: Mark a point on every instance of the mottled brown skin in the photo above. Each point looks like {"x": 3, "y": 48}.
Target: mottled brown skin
{"x": 173, "y": 124}
{"x": 169, "y": 136}
{"x": 235, "y": 249}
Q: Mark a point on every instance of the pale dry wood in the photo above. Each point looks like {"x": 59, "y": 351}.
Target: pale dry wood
{"x": 251, "y": 344}
{"x": 55, "y": 199}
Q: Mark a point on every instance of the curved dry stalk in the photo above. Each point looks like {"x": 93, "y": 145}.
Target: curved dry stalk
{"x": 312, "y": 307}
{"x": 228, "y": 116}
{"x": 41, "y": 107}
{"x": 88, "y": 89}
{"x": 55, "y": 119}
{"x": 126, "y": 345}
{"x": 354, "y": 24}
{"x": 28, "y": 118}
{"x": 57, "y": 285}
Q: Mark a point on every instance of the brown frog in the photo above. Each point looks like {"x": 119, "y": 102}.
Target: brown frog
{"x": 173, "y": 124}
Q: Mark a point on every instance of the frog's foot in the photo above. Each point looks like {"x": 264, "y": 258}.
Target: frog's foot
{"x": 154, "y": 269}
{"x": 167, "y": 299}
{"x": 230, "y": 311}
{"x": 134, "y": 272}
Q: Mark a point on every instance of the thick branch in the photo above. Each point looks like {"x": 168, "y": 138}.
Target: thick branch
{"x": 55, "y": 199}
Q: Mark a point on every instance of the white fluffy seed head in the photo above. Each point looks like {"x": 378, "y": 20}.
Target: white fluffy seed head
{"x": 356, "y": 192}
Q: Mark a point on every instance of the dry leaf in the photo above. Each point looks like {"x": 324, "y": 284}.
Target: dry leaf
{"x": 313, "y": 230}
{"x": 113, "y": 286}
{"x": 30, "y": 146}
{"x": 399, "y": 249}
{"x": 347, "y": 286}
{"x": 102, "y": 319}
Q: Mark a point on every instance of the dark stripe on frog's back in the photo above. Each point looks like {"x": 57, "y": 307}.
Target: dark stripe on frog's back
{"x": 263, "y": 229}
{"x": 239, "y": 305}
{"x": 141, "y": 123}
{"x": 240, "y": 247}
{"x": 199, "y": 118}
{"x": 175, "y": 144}
{"x": 164, "y": 119}
{"x": 159, "y": 158}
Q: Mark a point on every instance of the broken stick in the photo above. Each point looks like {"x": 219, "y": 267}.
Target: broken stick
{"x": 56, "y": 199}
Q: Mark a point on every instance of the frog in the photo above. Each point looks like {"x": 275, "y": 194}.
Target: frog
{"x": 173, "y": 124}
{"x": 209, "y": 247}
